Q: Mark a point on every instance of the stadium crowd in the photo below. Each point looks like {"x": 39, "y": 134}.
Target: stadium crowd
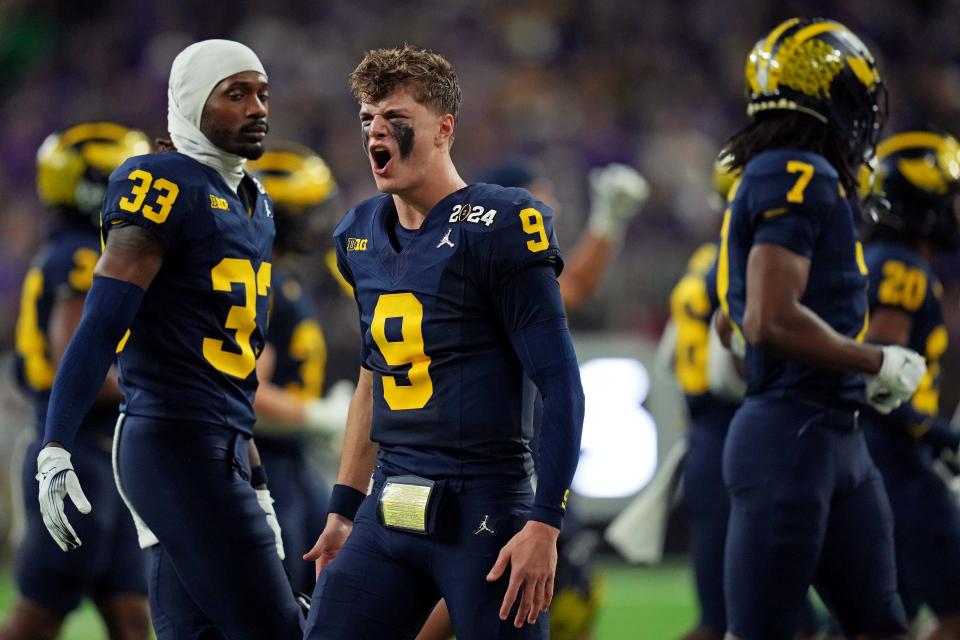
{"x": 571, "y": 84}
{"x": 561, "y": 87}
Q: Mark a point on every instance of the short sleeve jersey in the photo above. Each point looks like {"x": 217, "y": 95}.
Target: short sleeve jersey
{"x": 693, "y": 302}
{"x": 450, "y": 395}
{"x": 793, "y": 199}
{"x": 63, "y": 268}
{"x": 192, "y": 347}
{"x": 902, "y": 279}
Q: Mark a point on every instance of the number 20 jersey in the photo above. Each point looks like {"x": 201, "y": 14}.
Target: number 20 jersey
{"x": 192, "y": 347}
{"x": 793, "y": 199}
{"x": 901, "y": 279}
{"x": 449, "y": 394}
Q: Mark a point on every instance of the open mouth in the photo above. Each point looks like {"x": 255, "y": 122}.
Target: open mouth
{"x": 381, "y": 158}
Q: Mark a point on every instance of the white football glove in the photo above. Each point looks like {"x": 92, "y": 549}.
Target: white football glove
{"x": 617, "y": 193}
{"x": 266, "y": 503}
{"x": 900, "y": 373}
{"x": 327, "y": 416}
{"x": 58, "y": 479}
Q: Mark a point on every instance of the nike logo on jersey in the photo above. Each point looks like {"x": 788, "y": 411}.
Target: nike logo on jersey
{"x": 446, "y": 239}
{"x": 484, "y": 527}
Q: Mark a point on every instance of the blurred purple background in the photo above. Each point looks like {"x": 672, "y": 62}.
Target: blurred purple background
{"x": 572, "y": 83}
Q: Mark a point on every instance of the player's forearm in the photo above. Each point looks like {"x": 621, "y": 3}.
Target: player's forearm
{"x": 359, "y": 452}
{"x": 799, "y": 333}
{"x": 110, "y": 308}
{"x": 584, "y": 269}
{"x": 559, "y": 446}
{"x": 278, "y": 412}
{"x": 253, "y": 453}
{"x": 64, "y": 320}
{"x": 110, "y": 393}
{"x": 548, "y": 357}
{"x": 258, "y": 474}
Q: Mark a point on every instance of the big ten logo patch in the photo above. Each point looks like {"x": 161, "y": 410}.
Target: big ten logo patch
{"x": 356, "y": 244}
{"x": 219, "y": 203}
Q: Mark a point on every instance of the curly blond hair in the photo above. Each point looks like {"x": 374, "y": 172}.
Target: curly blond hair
{"x": 431, "y": 76}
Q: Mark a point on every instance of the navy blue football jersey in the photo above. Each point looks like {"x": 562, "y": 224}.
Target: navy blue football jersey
{"x": 192, "y": 347}
{"x": 900, "y": 278}
{"x": 450, "y": 395}
{"x": 297, "y": 338}
{"x": 301, "y": 352}
{"x": 794, "y": 199}
{"x": 693, "y": 302}
{"x": 63, "y": 268}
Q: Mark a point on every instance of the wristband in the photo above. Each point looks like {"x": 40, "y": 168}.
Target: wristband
{"x": 258, "y": 476}
{"x": 345, "y": 500}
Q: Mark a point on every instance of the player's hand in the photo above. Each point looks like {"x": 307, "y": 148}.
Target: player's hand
{"x": 266, "y": 503}
{"x": 330, "y": 542}
{"x": 532, "y": 558}
{"x": 58, "y": 479}
{"x": 900, "y": 373}
{"x": 617, "y": 193}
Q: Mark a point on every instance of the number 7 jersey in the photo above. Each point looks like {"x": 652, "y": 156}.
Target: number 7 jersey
{"x": 793, "y": 199}
{"x": 191, "y": 351}
{"x": 449, "y": 394}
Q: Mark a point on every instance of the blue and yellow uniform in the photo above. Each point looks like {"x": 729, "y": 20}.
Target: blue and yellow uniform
{"x": 451, "y": 402}
{"x": 692, "y": 304}
{"x": 926, "y": 518}
{"x": 192, "y": 349}
{"x": 432, "y": 412}
{"x": 300, "y": 494}
{"x": 109, "y": 563}
{"x": 807, "y": 503}
{"x": 187, "y": 370}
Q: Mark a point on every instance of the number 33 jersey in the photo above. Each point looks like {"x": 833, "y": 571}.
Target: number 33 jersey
{"x": 449, "y": 394}
{"x": 192, "y": 347}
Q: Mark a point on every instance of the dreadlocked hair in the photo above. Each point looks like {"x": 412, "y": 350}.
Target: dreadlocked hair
{"x": 790, "y": 130}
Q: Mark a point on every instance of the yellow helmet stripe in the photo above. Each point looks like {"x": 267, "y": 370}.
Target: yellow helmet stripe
{"x": 909, "y": 140}
{"x": 922, "y": 175}
{"x": 816, "y": 29}
{"x": 763, "y": 60}
{"x": 775, "y": 36}
{"x": 90, "y": 130}
{"x": 279, "y": 161}
{"x": 862, "y": 70}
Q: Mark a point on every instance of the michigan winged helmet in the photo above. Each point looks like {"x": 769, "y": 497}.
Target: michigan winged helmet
{"x": 299, "y": 182}
{"x": 73, "y": 165}
{"x": 915, "y": 191}
{"x": 820, "y": 68}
